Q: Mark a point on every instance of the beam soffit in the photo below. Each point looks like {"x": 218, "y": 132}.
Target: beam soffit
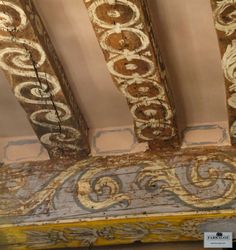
{"x": 124, "y": 32}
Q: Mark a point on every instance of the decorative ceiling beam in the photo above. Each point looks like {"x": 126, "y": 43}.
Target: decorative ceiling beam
{"x": 38, "y": 80}
{"x": 117, "y": 199}
{"x": 225, "y": 24}
{"x": 125, "y": 35}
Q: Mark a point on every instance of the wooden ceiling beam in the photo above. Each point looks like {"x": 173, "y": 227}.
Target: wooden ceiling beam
{"x": 38, "y": 80}
{"x": 225, "y": 24}
{"x": 172, "y": 196}
{"x": 124, "y": 32}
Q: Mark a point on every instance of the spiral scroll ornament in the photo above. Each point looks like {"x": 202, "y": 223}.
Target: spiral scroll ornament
{"x": 225, "y": 16}
{"x": 132, "y": 63}
{"x": 33, "y": 82}
{"x": 225, "y": 23}
{"x": 190, "y": 181}
{"x": 97, "y": 191}
{"x": 205, "y": 182}
{"x": 229, "y": 67}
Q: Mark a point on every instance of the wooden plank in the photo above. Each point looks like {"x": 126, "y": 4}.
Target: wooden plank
{"x": 172, "y": 196}
{"x": 124, "y": 32}
{"x": 225, "y": 24}
{"x": 114, "y": 231}
{"x": 38, "y": 80}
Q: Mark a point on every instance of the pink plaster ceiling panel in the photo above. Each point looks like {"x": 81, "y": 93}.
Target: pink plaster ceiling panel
{"x": 188, "y": 41}
{"x": 13, "y": 120}
{"x": 72, "y": 34}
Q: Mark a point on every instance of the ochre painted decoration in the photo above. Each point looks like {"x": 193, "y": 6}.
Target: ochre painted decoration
{"x": 113, "y": 231}
{"x": 124, "y": 32}
{"x": 38, "y": 81}
{"x": 172, "y": 196}
{"x": 225, "y": 24}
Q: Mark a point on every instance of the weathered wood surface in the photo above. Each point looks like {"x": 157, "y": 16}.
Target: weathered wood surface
{"x": 120, "y": 199}
{"x": 225, "y": 24}
{"x": 124, "y": 32}
{"x": 38, "y": 81}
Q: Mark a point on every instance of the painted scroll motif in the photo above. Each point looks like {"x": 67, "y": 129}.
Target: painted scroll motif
{"x": 35, "y": 83}
{"x": 224, "y": 12}
{"x": 115, "y": 231}
{"x": 117, "y": 185}
{"x": 162, "y": 231}
{"x": 124, "y": 33}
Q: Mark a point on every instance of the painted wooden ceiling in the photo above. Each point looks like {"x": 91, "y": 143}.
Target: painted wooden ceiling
{"x": 120, "y": 198}
{"x": 189, "y": 47}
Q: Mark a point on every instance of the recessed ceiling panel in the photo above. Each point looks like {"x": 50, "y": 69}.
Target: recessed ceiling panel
{"x": 74, "y": 39}
{"x": 189, "y": 46}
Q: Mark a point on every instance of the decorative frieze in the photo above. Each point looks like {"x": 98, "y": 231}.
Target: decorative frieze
{"x": 116, "y": 199}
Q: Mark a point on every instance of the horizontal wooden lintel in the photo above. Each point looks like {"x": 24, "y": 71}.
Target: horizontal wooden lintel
{"x": 148, "y": 197}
